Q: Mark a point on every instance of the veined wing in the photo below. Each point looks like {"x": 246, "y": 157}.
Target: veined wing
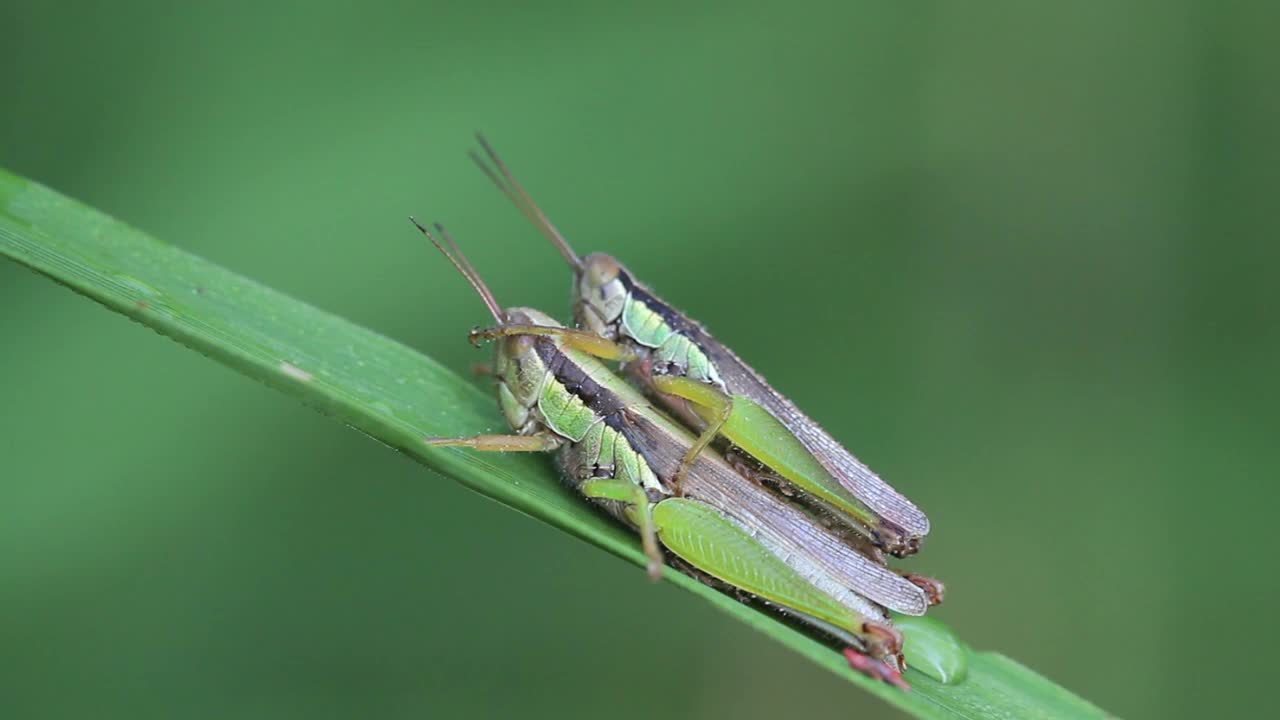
{"x": 796, "y": 536}
{"x": 849, "y": 471}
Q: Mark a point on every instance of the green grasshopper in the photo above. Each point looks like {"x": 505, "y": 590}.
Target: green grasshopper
{"x": 619, "y": 451}
{"x": 708, "y": 387}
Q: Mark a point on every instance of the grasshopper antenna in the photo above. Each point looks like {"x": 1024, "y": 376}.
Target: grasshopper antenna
{"x": 511, "y": 187}
{"x": 464, "y": 266}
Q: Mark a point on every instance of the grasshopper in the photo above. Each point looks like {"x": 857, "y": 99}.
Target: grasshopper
{"x": 620, "y": 452}
{"x": 706, "y": 386}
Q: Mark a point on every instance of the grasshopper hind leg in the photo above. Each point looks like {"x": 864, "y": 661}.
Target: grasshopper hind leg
{"x": 875, "y": 669}
{"x": 717, "y": 545}
{"x": 876, "y": 651}
{"x": 855, "y": 651}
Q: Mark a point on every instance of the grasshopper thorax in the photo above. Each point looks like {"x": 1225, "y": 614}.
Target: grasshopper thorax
{"x": 600, "y": 294}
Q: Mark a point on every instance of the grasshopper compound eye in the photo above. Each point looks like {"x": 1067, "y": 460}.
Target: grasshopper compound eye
{"x": 601, "y": 294}
{"x": 518, "y": 345}
{"x": 599, "y": 269}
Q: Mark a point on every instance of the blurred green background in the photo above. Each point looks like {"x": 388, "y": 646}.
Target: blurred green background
{"x": 1021, "y": 257}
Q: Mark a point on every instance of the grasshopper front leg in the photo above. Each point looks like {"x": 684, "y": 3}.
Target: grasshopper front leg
{"x": 637, "y": 501}
{"x": 587, "y": 342}
{"x": 538, "y": 442}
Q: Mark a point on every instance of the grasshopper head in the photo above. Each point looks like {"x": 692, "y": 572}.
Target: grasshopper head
{"x": 600, "y": 292}
{"x": 519, "y": 368}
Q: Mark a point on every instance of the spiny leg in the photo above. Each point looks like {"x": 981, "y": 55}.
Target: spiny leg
{"x": 539, "y": 442}
{"x": 882, "y": 641}
{"x": 876, "y": 669}
{"x": 718, "y": 405}
{"x": 587, "y": 342}
{"x": 717, "y": 545}
{"x": 637, "y": 500}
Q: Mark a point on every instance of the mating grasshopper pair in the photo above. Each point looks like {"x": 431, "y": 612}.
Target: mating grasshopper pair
{"x": 745, "y": 490}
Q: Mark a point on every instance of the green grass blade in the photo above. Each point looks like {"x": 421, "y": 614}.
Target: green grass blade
{"x": 398, "y": 396}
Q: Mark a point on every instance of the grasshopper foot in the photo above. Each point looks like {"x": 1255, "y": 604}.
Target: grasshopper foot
{"x": 932, "y": 587}
{"x": 655, "y": 568}
{"x": 873, "y": 668}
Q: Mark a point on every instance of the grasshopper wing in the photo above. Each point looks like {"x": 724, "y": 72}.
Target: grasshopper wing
{"x": 787, "y": 531}
{"x": 716, "y": 544}
{"x": 852, "y": 475}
